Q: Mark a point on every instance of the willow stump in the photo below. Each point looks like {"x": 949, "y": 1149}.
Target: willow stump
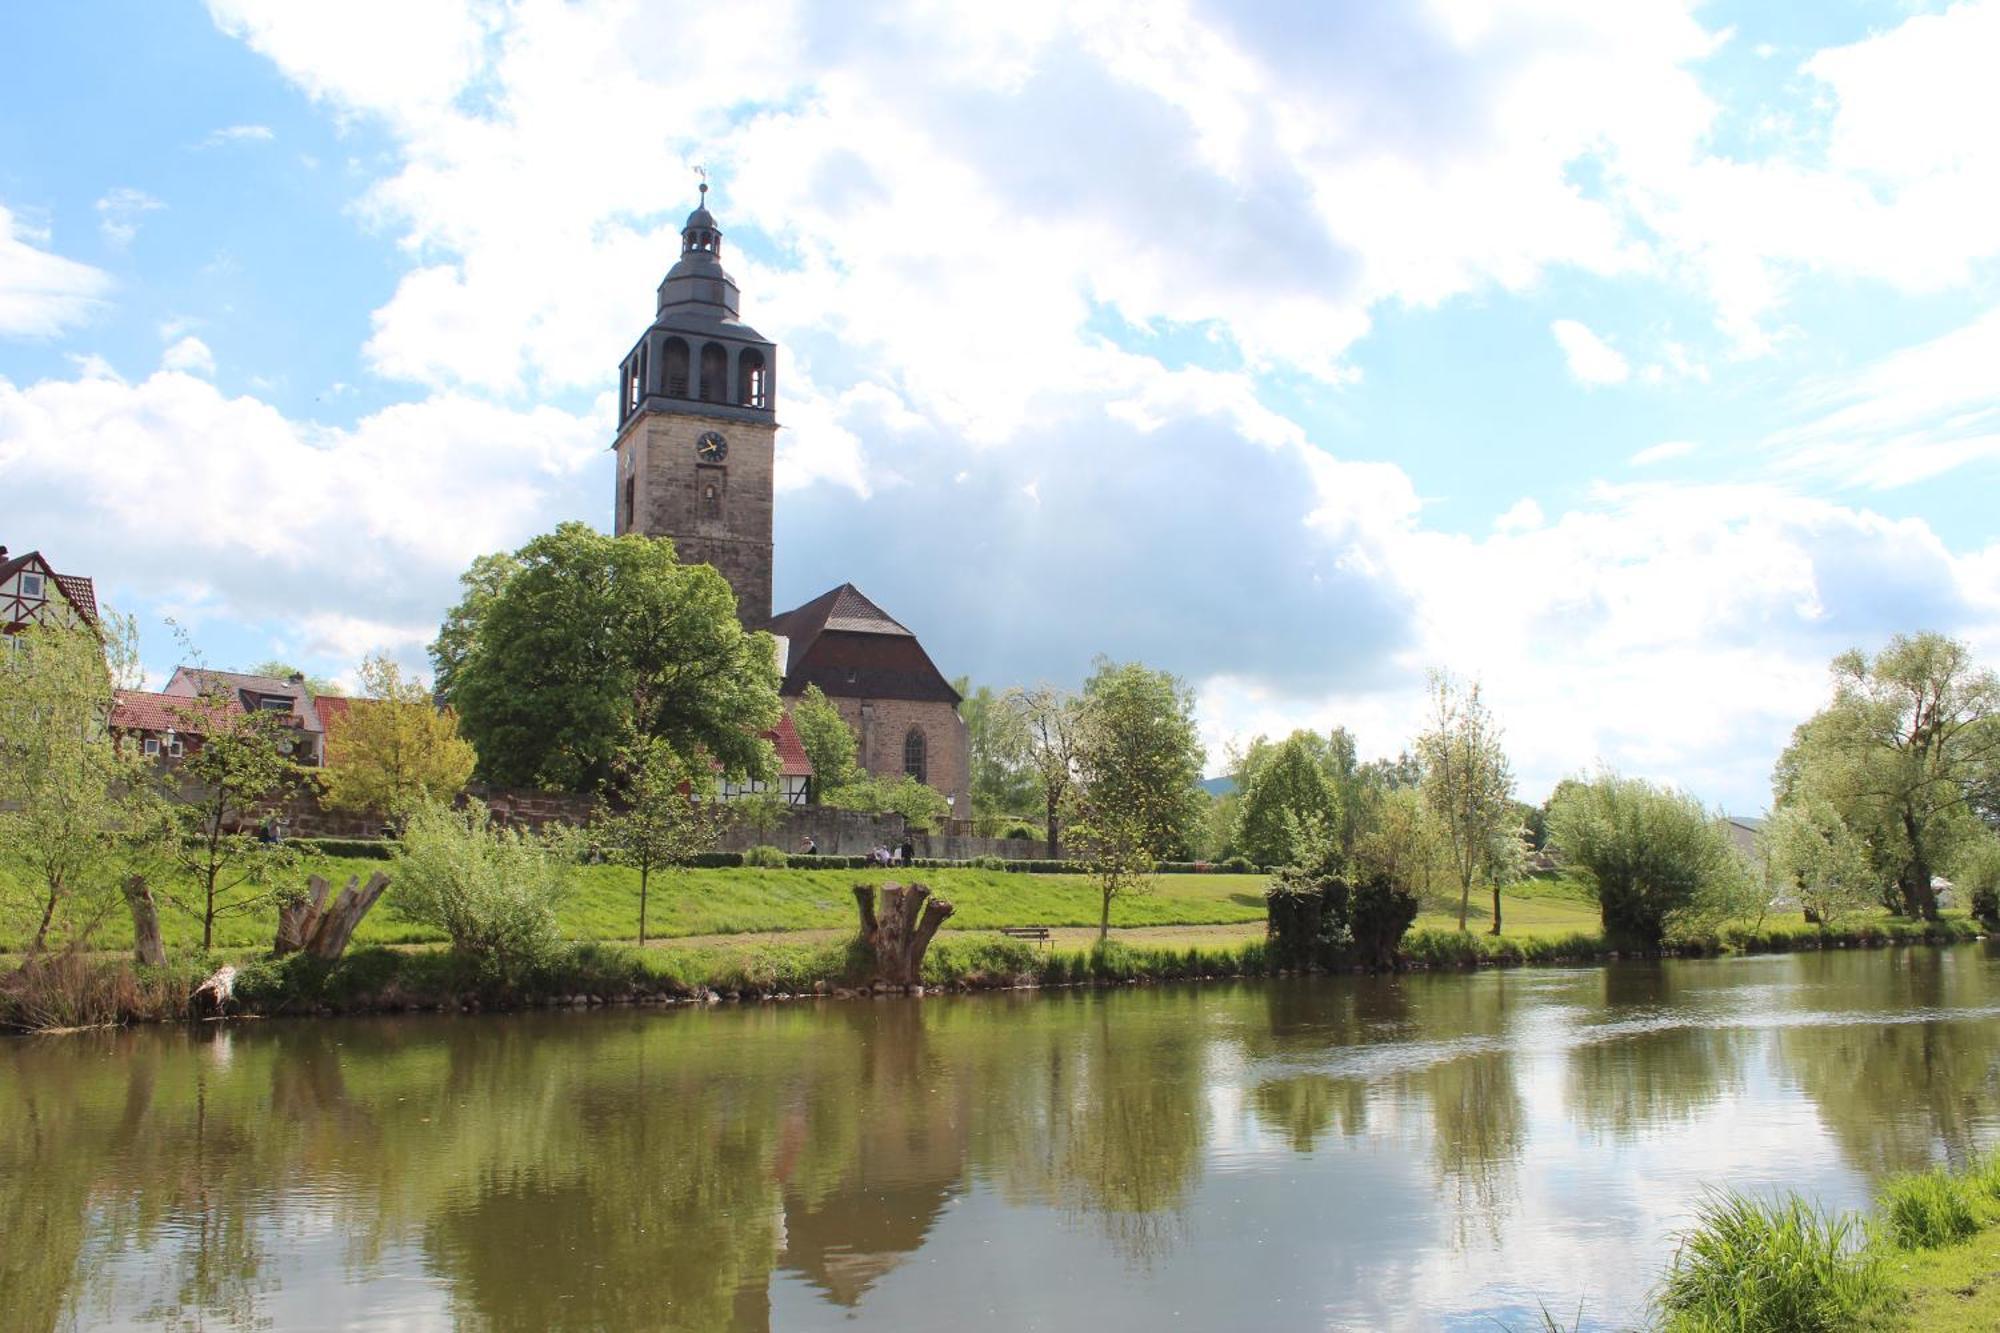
{"x": 309, "y": 925}
{"x": 899, "y": 928}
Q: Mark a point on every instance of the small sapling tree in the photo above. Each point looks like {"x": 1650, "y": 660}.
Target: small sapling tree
{"x": 1469, "y": 787}
{"x": 660, "y": 815}
{"x": 226, "y": 788}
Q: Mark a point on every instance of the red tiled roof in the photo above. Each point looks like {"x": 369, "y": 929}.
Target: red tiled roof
{"x": 792, "y": 761}
{"x": 82, "y": 594}
{"x": 141, "y": 710}
{"x": 329, "y": 707}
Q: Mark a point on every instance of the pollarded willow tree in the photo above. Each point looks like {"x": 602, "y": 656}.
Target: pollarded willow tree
{"x": 556, "y": 657}
{"x": 1469, "y": 786}
{"x": 1905, "y": 755}
{"x": 1655, "y": 858}
{"x": 71, "y": 804}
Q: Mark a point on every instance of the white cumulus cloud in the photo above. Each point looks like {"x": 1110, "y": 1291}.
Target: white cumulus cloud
{"x": 42, "y": 293}
{"x": 1590, "y": 358}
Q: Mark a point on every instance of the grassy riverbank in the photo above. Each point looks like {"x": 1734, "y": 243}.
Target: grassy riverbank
{"x": 1927, "y": 1260}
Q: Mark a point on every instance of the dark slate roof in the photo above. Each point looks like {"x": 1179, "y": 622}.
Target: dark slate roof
{"x": 842, "y": 608}
{"x": 848, "y": 646}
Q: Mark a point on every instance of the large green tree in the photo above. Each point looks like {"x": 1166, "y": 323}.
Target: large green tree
{"x": 590, "y": 640}
{"x": 394, "y": 749}
{"x": 1138, "y": 763}
{"x": 1469, "y": 787}
{"x": 1903, "y": 755}
{"x": 1287, "y": 788}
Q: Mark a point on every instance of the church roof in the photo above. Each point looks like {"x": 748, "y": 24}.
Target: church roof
{"x": 847, "y": 645}
{"x": 842, "y": 608}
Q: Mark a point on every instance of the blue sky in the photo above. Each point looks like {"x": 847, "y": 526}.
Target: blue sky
{"x": 1632, "y": 359}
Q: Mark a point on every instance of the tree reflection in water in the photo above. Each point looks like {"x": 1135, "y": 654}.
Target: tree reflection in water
{"x": 657, "y": 1170}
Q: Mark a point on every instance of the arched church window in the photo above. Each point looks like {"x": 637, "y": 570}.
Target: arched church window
{"x": 711, "y": 500}
{"x": 714, "y": 373}
{"x": 914, "y": 753}
{"x": 677, "y": 368}
{"x": 750, "y": 379}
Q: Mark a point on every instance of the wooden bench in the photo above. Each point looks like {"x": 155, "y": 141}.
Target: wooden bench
{"x": 1039, "y": 933}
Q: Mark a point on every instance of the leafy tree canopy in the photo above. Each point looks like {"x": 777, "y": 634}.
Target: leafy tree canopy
{"x": 1654, "y": 856}
{"x": 828, "y": 741}
{"x": 394, "y": 748}
{"x": 1288, "y": 788}
{"x": 584, "y": 641}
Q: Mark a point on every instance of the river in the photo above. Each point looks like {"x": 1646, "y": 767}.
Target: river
{"x": 1424, "y": 1151}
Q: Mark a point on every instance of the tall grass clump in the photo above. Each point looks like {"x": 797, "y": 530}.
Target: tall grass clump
{"x": 1788, "y": 1266}
{"x": 1928, "y": 1209}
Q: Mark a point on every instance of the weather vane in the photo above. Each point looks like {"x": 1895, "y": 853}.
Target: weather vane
{"x": 702, "y": 172}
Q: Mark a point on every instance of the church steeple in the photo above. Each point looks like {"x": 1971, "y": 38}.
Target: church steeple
{"x": 697, "y": 423}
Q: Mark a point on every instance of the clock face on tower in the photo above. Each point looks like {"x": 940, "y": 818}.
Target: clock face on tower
{"x": 711, "y": 447}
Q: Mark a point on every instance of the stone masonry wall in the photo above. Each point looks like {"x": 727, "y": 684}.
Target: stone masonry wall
{"x": 882, "y": 728}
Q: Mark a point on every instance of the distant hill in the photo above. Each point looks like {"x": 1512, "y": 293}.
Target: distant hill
{"x": 1221, "y": 786}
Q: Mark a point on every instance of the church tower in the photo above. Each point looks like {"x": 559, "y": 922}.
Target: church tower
{"x": 697, "y": 431}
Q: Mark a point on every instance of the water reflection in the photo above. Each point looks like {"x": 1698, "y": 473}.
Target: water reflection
{"x": 1349, "y": 1152}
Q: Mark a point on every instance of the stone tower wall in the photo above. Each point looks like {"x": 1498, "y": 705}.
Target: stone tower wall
{"x": 657, "y": 451}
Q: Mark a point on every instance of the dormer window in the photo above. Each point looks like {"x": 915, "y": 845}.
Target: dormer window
{"x": 274, "y": 703}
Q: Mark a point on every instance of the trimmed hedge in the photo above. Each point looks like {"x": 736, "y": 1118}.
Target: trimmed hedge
{"x": 366, "y": 849}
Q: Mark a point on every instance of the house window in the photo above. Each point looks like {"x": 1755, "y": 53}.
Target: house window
{"x": 173, "y": 749}
{"x": 274, "y": 703}
{"x": 152, "y": 747}
{"x": 913, "y": 753}
{"x": 31, "y": 587}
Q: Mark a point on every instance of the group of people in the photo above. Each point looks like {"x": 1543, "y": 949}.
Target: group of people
{"x": 900, "y": 855}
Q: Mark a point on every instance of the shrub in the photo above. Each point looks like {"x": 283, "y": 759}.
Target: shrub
{"x": 989, "y": 862}
{"x": 766, "y": 857}
{"x": 1238, "y": 865}
{"x": 1927, "y": 1210}
{"x": 1022, "y": 832}
{"x": 1379, "y": 913}
{"x": 364, "y": 849}
{"x": 493, "y": 891}
{"x": 719, "y": 861}
{"x": 1783, "y": 1267}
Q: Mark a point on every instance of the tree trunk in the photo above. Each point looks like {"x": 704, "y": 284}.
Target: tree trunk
{"x": 1054, "y": 851}
{"x": 213, "y": 996}
{"x": 1464, "y": 900}
{"x": 42, "y": 931}
{"x": 1496, "y": 908}
{"x": 1922, "y": 899}
{"x": 901, "y": 930}
{"x": 310, "y": 926}
{"x": 643, "y": 871}
{"x": 1104, "y": 919}
{"x": 146, "y": 942}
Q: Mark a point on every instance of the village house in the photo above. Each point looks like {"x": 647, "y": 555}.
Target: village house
{"x": 31, "y": 593}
